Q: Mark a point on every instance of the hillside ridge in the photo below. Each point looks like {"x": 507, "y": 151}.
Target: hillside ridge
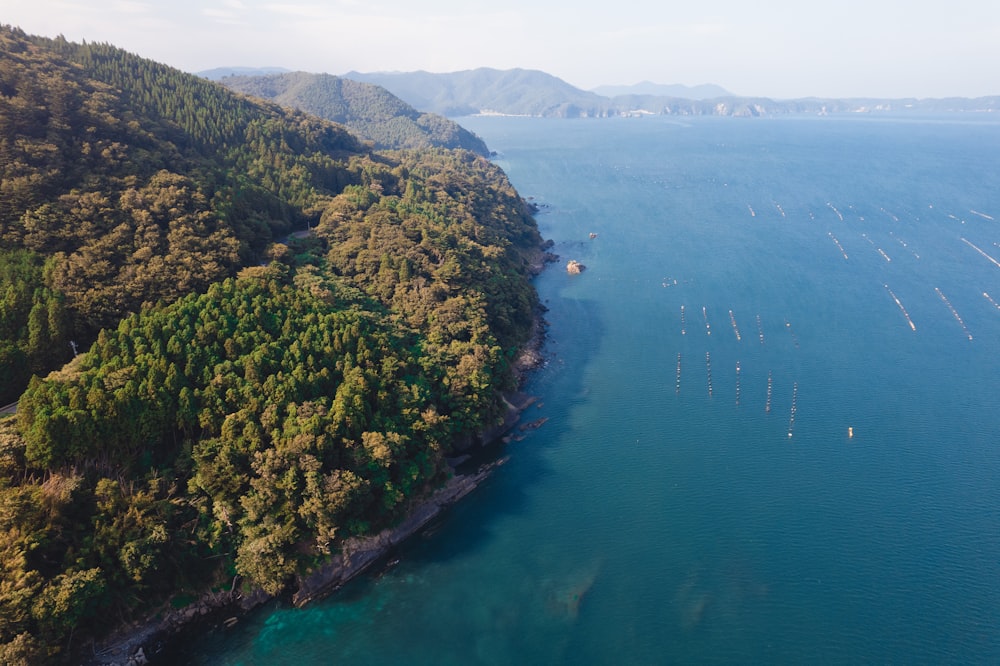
{"x": 369, "y": 110}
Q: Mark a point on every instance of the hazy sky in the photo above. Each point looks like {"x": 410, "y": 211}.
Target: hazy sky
{"x": 774, "y": 48}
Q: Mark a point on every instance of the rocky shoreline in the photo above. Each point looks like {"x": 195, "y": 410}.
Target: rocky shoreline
{"x": 146, "y": 643}
{"x": 359, "y": 553}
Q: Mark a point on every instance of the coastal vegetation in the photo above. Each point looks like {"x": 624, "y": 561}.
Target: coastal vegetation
{"x": 282, "y": 335}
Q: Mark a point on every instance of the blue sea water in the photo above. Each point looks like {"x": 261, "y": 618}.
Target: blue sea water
{"x": 674, "y": 509}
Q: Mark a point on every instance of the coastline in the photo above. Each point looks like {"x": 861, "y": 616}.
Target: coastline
{"x": 145, "y": 643}
{"x": 148, "y": 642}
{"x": 359, "y": 553}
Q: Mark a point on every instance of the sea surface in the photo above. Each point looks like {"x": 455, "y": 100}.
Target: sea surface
{"x": 774, "y": 413}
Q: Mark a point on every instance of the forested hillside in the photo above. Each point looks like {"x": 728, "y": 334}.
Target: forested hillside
{"x": 125, "y": 182}
{"x": 250, "y": 397}
{"x": 371, "y": 111}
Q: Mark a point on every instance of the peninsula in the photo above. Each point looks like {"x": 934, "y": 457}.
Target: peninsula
{"x": 284, "y": 336}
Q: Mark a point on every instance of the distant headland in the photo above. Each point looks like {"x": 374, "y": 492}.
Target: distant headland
{"x": 522, "y": 92}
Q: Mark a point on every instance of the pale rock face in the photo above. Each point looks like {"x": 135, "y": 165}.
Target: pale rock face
{"x": 574, "y": 267}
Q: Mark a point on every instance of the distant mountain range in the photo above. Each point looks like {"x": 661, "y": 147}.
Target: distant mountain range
{"x": 535, "y": 93}
{"x": 523, "y": 92}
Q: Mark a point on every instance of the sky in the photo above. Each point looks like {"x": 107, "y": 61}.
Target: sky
{"x": 781, "y": 49}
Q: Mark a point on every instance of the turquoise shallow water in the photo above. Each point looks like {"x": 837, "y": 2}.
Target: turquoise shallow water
{"x": 668, "y": 517}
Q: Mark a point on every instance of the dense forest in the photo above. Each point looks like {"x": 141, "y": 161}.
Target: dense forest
{"x": 370, "y": 110}
{"x": 281, "y": 336}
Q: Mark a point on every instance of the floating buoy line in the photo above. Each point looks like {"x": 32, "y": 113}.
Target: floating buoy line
{"x": 980, "y": 251}
{"x": 678, "y": 390}
{"x": 793, "y": 411}
{"x": 770, "y": 388}
{"x": 791, "y": 416}
{"x": 795, "y": 338}
{"x": 954, "y": 312}
{"x": 839, "y": 246}
{"x": 901, "y": 308}
{"x": 737, "y": 383}
{"x": 905, "y": 245}
{"x": 708, "y": 370}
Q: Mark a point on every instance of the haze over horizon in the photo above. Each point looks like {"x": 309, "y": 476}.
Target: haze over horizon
{"x": 878, "y": 48}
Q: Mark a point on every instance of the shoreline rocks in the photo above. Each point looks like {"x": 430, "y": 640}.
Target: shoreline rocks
{"x": 148, "y": 643}
{"x": 359, "y": 553}
{"x": 536, "y": 264}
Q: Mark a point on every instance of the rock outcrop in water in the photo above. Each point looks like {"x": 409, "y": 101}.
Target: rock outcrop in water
{"x": 574, "y": 267}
